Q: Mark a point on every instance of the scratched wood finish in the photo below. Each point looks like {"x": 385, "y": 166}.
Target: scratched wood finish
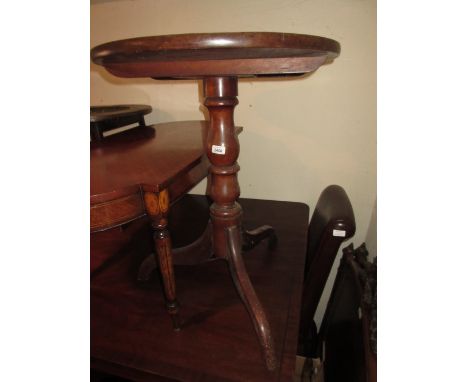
{"x": 132, "y": 337}
{"x": 215, "y": 54}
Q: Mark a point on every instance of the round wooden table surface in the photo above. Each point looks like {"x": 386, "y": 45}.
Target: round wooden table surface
{"x": 216, "y": 54}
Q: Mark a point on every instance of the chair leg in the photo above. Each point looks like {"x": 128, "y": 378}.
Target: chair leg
{"x": 249, "y": 297}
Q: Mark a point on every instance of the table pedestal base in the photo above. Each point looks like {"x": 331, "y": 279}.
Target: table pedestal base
{"x": 201, "y": 250}
{"x": 222, "y": 149}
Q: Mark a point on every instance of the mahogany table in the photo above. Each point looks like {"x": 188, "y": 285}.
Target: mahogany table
{"x": 141, "y": 172}
{"x": 144, "y": 171}
{"x": 131, "y": 336}
{"x": 105, "y": 118}
{"x": 219, "y": 59}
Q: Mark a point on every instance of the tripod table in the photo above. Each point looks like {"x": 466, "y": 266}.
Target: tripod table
{"x": 219, "y": 59}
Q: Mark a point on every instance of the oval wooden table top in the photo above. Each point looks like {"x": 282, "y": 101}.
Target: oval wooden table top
{"x": 215, "y": 54}
{"x": 150, "y": 157}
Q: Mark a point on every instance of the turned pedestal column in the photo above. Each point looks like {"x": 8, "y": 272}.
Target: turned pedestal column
{"x": 222, "y": 149}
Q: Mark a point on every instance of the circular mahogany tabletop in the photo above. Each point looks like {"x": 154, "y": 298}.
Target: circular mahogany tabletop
{"x": 216, "y": 54}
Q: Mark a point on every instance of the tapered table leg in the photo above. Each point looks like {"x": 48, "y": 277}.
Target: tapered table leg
{"x": 222, "y": 148}
{"x": 157, "y": 207}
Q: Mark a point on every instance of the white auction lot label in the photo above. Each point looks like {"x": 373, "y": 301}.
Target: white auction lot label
{"x": 220, "y": 150}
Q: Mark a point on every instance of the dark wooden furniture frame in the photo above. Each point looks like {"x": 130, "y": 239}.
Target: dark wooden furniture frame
{"x": 344, "y": 337}
{"x": 105, "y": 118}
{"x": 219, "y": 59}
{"x": 331, "y": 224}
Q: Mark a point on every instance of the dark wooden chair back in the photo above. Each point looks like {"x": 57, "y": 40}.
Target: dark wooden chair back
{"x": 332, "y": 223}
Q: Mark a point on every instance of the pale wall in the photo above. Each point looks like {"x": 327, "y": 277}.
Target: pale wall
{"x": 300, "y": 134}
